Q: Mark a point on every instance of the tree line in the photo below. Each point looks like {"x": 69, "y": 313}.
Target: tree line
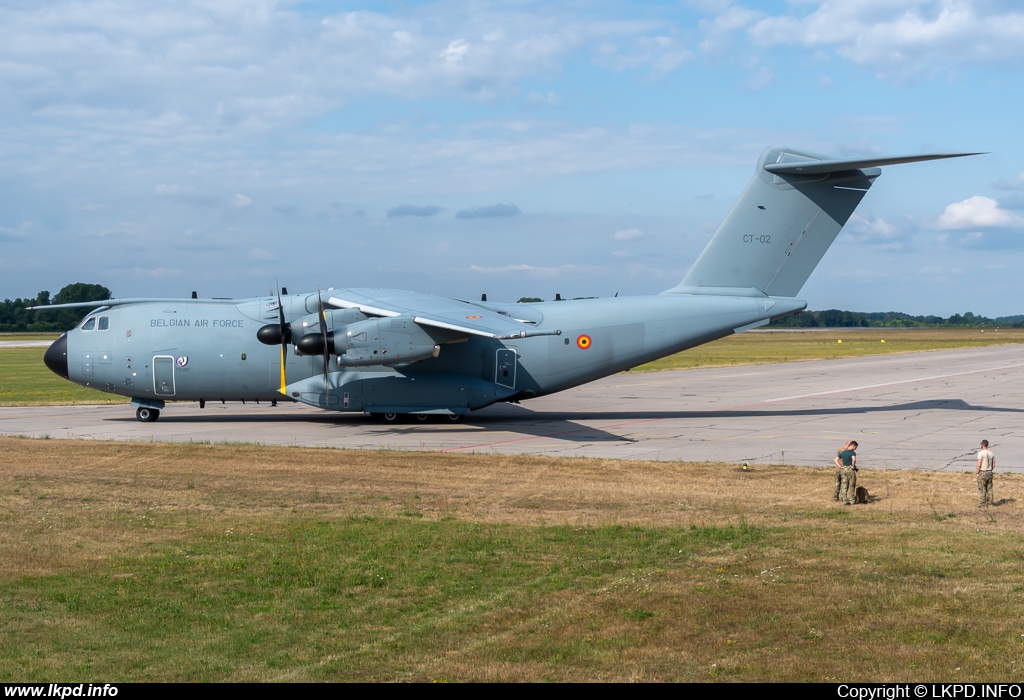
{"x": 15, "y": 316}
{"x": 834, "y": 318}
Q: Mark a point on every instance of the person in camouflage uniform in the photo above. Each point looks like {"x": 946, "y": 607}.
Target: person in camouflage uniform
{"x": 986, "y": 465}
{"x": 847, "y": 463}
{"x": 839, "y": 471}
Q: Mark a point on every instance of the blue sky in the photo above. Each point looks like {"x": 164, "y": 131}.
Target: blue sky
{"x": 512, "y": 148}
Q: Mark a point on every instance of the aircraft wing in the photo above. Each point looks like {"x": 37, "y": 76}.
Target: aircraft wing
{"x": 438, "y": 312}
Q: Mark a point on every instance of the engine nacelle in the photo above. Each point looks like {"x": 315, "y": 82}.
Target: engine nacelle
{"x": 383, "y": 341}
{"x": 305, "y": 331}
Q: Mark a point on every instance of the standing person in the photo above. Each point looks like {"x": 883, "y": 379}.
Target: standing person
{"x": 986, "y": 465}
{"x": 839, "y": 469}
{"x": 846, "y": 460}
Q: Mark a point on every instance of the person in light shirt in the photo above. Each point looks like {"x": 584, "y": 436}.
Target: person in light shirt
{"x": 986, "y": 465}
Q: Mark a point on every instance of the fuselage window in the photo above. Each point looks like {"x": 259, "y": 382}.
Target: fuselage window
{"x": 89, "y": 325}
{"x": 103, "y": 324}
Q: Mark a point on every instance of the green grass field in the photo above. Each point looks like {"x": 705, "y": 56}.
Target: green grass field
{"x": 158, "y": 562}
{"x": 26, "y": 381}
{"x": 759, "y": 347}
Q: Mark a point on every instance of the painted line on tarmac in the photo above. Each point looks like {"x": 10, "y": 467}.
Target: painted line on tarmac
{"x": 885, "y": 384}
{"x": 737, "y": 408}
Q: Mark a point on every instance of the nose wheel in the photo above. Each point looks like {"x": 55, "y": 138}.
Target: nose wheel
{"x": 147, "y": 415}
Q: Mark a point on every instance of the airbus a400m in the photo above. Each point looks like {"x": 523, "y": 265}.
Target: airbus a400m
{"x": 395, "y": 353}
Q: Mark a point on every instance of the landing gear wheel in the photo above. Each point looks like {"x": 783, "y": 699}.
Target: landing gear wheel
{"x": 422, "y": 417}
{"x": 389, "y": 417}
{"x": 455, "y": 417}
{"x": 147, "y": 415}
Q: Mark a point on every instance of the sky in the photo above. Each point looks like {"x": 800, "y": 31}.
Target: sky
{"x": 508, "y": 148}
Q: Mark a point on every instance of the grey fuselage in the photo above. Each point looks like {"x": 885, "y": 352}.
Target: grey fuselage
{"x": 189, "y": 350}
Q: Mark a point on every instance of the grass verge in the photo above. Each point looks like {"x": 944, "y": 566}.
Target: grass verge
{"x": 207, "y": 562}
{"x": 26, "y": 381}
{"x": 759, "y": 347}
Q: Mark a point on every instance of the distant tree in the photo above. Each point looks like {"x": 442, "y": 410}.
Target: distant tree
{"x": 804, "y": 319}
{"x": 63, "y": 319}
{"x": 528, "y": 300}
{"x": 833, "y": 318}
{"x": 80, "y": 291}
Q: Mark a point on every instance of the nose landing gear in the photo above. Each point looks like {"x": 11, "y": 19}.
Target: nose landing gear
{"x": 147, "y": 415}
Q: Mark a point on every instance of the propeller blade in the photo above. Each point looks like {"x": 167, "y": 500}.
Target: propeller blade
{"x": 323, "y": 336}
{"x": 285, "y": 337}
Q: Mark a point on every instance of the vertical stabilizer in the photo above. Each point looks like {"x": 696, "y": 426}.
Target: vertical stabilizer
{"x": 783, "y": 223}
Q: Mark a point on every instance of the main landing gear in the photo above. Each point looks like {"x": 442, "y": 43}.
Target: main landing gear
{"x": 393, "y": 418}
{"x": 147, "y": 415}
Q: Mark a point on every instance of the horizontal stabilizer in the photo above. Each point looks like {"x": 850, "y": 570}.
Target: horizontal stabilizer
{"x": 784, "y": 222}
{"x": 819, "y": 167}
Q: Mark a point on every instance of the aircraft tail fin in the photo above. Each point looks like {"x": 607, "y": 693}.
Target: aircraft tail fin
{"x": 784, "y": 222}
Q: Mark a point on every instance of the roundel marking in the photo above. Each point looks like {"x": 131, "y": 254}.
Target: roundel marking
{"x": 583, "y": 342}
{"x": 182, "y": 361}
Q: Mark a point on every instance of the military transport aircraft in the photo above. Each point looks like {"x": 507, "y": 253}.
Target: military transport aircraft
{"x": 397, "y": 354}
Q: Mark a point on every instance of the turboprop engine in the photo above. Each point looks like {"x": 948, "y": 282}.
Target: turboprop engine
{"x": 382, "y": 341}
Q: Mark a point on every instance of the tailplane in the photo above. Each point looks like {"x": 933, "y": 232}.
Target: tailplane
{"x": 785, "y": 220}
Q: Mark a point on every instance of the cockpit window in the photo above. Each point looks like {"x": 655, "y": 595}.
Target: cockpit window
{"x": 104, "y": 323}
{"x": 89, "y": 325}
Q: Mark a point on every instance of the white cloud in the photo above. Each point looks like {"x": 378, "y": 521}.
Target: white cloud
{"x": 939, "y": 271}
{"x": 122, "y": 229}
{"x": 1016, "y": 184}
{"x": 658, "y": 56}
{"x": 977, "y": 212}
{"x": 241, "y": 201}
{"x": 719, "y": 31}
{"x": 261, "y": 255}
{"x": 170, "y": 190}
{"x": 896, "y": 38}
{"x": 535, "y": 271}
{"x": 10, "y": 234}
{"x": 877, "y": 231}
{"x": 157, "y": 272}
{"x": 974, "y": 239}
{"x": 456, "y": 49}
{"x": 628, "y": 234}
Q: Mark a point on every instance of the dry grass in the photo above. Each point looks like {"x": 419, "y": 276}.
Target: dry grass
{"x": 200, "y": 562}
{"x": 762, "y": 346}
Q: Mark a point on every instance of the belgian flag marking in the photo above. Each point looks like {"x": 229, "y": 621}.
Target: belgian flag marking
{"x": 583, "y": 342}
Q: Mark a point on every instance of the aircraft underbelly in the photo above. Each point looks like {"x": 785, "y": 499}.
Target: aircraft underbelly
{"x": 385, "y": 391}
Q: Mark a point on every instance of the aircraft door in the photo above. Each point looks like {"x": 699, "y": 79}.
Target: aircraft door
{"x": 163, "y": 375}
{"x": 505, "y": 368}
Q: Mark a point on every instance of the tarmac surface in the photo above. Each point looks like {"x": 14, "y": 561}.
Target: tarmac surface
{"x": 924, "y": 410}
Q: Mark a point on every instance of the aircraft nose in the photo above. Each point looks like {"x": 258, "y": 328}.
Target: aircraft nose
{"x": 56, "y": 357}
